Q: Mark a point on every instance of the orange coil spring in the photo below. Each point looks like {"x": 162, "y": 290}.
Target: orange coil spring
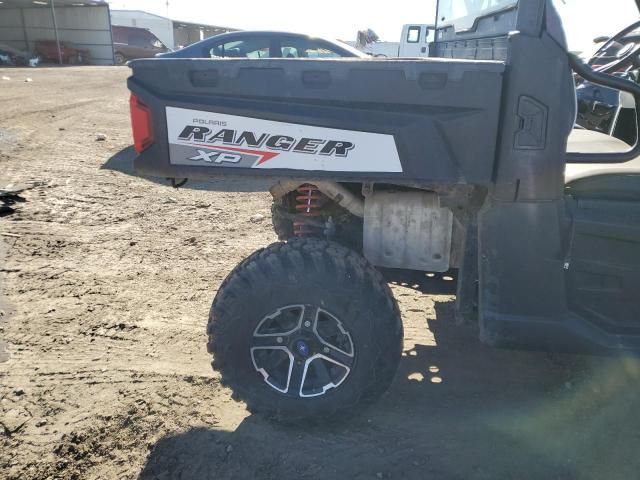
{"x": 308, "y": 205}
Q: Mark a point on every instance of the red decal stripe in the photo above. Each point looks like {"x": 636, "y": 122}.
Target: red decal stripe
{"x": 264, "y": 156}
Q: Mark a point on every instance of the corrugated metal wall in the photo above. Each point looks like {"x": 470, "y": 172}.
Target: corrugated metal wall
{"x": 173, "y": 33}
{"x": 161, "y": 27}
{"x": 186, "y": 35}
{"x": 86, "y": 27}
{"x": 11, "y": 28}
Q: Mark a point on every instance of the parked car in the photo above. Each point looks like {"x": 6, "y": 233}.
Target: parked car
{"x": 257, "y": 44}
{"x": 11, "y": 56}
{"x": 48, "y": 52}
{"x": 135, "y": 42}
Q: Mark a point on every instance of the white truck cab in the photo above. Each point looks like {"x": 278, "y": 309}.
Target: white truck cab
{"x": 414, "y": 42}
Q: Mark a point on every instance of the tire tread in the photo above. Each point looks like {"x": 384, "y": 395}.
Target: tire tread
{"x": 324, "y": 257}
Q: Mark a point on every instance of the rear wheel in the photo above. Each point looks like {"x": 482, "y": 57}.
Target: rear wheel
{"x": 119, "y": 58}
{"x": 305, "y": 330}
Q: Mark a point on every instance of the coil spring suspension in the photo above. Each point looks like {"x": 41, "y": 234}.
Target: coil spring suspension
{"x": 308, "y": 205}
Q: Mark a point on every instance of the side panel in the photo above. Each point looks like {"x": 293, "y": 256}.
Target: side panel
{"x": 524, "y": 229}
{"x": 604, "y": 266}
{"x": 217, "y": 140}
{"x": 424, "y": 106}
{"x": 528, "y": 237}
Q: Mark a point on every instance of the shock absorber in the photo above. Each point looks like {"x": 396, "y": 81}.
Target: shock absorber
{"x": 308, "y": 205}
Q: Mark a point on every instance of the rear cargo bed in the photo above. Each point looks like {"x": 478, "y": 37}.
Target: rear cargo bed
{"x": 347, "y": 119}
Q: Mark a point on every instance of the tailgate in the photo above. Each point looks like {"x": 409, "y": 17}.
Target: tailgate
{"x": 348, "y": 119}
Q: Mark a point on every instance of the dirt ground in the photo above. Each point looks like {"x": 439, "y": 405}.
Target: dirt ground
{"x": 107, "y": 280}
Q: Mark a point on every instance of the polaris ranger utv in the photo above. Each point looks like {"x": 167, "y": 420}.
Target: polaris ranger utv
{"x": 455, "y": 161}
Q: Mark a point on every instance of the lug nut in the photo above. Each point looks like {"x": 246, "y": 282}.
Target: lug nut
{"x": 307, "y": 324}
{"x": 326, "y": 349}
{"x": 279, "y": 340}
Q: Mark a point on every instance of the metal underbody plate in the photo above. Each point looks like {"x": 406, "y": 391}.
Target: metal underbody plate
{"x": 407, "y": 230}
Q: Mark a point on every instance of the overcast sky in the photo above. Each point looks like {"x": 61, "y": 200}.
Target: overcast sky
{"x": 341, "y": 19}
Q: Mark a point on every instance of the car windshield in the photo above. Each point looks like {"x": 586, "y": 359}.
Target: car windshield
{"x": 467, "y": 11}
{"x": 347, "y": 47}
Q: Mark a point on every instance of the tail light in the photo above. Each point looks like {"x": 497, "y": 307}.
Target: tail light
{"x": 140, "y": 124}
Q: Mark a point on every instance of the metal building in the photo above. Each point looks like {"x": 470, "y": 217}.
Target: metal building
{"x": 83, "y": 24}
{"x": 172, "y": 33}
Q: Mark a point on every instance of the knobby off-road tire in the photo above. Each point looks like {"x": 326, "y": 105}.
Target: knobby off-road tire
{"x": 282, "y": 220}
{"x": 339, "y": 309}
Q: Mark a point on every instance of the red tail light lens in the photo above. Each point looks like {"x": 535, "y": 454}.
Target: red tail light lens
{"x": 140, "y": 124}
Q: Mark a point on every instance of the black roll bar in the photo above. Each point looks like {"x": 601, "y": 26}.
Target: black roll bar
{"x": 586, "y": 72}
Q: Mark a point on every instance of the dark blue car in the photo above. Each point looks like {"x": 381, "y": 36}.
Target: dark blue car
{"x": 256, "y": 44}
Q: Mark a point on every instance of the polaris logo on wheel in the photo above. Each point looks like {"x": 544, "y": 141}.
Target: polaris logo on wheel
{"x": 219, "y": 140}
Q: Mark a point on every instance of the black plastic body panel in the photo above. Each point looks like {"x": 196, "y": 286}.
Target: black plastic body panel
{"x": 605, "y": 263}
{"x": 428, "y": 105}
{"x": 495, "y": 48}
{"x": 488, "y": 27}
{"x": 529, "y": 282}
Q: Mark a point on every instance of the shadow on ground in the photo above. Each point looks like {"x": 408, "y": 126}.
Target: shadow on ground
{"x": 123, "y": 162}
{"x": 423, "y": 282}
{"x": 457, "y": 410}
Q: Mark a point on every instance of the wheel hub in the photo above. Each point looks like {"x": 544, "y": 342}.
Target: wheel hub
{"x": 302, "y": 351}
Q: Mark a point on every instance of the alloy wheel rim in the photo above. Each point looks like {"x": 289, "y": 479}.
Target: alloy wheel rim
{"x": 302, "y": 351}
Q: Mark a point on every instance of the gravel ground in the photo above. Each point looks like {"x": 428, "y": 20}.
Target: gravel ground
{"x": 107, "y": 279}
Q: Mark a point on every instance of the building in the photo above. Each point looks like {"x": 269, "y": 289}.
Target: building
{"x": 172, "y": 33}
{"x": 85, "y": 24}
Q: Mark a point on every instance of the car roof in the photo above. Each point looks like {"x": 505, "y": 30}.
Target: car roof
{"x": 244, "y": 33}
{"x": 256, "y": 33}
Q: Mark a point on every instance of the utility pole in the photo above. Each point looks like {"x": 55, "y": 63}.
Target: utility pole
{"x": 55, "y": 30}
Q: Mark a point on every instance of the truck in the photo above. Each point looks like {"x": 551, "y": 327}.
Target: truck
{"x": 414, "y": 42}
{"x": 466, "y": 160}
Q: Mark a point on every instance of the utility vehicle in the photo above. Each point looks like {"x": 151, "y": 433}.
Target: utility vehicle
{"x": 465, "y": 160}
